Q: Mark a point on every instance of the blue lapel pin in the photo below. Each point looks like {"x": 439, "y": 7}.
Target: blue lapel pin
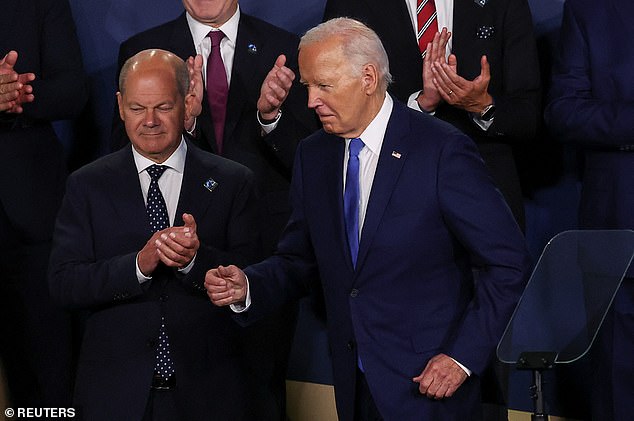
{"x": 252, "y": 48}
{"x": 481, "y": 3}
{"x": 210, "y": 184}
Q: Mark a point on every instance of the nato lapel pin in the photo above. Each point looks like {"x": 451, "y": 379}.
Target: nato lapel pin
{"x": 252, "y": 48}
{"x": 396, "y": 155}
{"x": 210, "y": 184}
{"x": 481, "y": 3}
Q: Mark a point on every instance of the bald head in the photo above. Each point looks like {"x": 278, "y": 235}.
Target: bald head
{"x": 156, "y": 59}
{"x": 154, "y": 102}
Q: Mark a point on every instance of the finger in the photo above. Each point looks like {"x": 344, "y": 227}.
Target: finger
{"x": 284, "y": 77}
{"x": 9, "y": 60}
{"x": 171, "y": 252}
{"x": 485, "y": 70}
{"x": 227, "y": 271}
{"x": 222, "y": 300}
{"x": 190, "y": 222}
{"x": 280, "y": 61}
{"x": 213, "y": 279}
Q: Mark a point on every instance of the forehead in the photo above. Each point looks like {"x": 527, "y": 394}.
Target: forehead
{"x": 152, "y": 81}
{"x": 322, "y": 59}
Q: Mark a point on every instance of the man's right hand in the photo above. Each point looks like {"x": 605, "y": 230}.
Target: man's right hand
{"x": 226, "y": 285}
{"x": 429, "y": 98}
{"x": 15, "y": 89}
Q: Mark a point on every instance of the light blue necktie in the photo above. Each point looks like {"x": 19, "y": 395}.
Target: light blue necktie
{"x": 351, "y": 198}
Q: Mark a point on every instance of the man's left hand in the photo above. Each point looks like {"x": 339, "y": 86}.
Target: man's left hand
{"x": 441, "y": 378}
{"x": 275, "y": 89}
{"x": 471, "y": 96}
{"x": 196, "y": 90}
{"x": 178, "y": 245}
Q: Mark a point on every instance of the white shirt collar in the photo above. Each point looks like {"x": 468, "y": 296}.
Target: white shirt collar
{"x": 176, "y": 160}
{"x": 200, "y": 30}
{"x": 373, "y": 135}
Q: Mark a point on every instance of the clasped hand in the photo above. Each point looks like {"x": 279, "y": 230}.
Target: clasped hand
{"x": 174, "y": 246}
{"x": 15, "y": 88}
{"x": 226, "y": 285}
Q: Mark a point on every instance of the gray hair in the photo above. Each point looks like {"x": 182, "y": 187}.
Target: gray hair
{"x": 181, "y": 72}
{"x": 361, "y": 45}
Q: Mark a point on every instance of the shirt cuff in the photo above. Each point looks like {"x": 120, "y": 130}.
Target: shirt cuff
{"x": 268, "y": 127}
{"x": 413, "y": 104}
{"x": 483, "y": 124}
{"x": 465, "y": 369}
{"x": 187, "y": 268}
{"x": 240, "y": 307}
{"x": 139, "y": 275}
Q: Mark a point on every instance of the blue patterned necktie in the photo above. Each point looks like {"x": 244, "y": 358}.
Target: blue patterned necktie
{"x": 351, "y": 199}
{"x": 159, "y": 220}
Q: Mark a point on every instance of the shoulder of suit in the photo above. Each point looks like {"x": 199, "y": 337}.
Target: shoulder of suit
{"x": 99, "y": 167}
{"x": 156, "y": 32}
{"x": 263, "y": 27}
{"x": 218, "y": 163}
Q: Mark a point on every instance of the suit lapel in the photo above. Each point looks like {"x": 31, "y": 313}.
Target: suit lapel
{"x": 245, "y": 63}
{"x": 391, "y": 159}
{"x": 194, "y": 197}
{"x": 125, "y": 193}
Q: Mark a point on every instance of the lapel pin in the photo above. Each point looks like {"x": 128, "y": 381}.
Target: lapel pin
{"x": 481, "y": 3}
{"x": 210, "y": 184}
{"x": 396, "y": 155}
{"x": 485, "y": 32}
{"x": 252, "y": 48}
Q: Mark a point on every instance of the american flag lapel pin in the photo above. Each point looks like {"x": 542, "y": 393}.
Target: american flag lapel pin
{"x": 396, "y": 154}
{"x": 210, "y": 184}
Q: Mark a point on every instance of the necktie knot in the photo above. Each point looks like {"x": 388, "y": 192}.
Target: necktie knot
{"x": 156, "y": 171}
{"x": 216, "y": 37}
{"x": 356, "y": 145}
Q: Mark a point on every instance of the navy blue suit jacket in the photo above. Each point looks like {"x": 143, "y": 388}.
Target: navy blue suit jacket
{"x": 100, "y": 229}
{"x": 434, "y": 219}
{"x": 591, "y": 103}
{"x": 32, "y": 158}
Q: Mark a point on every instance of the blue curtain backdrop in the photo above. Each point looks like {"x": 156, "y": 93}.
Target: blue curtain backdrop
{"x": 549, "y": 170}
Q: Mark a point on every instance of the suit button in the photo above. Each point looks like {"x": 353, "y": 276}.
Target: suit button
{"x": 354, "y": 293}
{"x": 163, "y": 297}
{"x": 350, "y": 345}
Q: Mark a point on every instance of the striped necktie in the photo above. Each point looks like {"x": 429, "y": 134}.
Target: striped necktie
{"x": 427, "y": 24}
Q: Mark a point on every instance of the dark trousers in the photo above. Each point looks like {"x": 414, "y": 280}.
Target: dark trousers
{"x": 364, "y": 407}
{"x": 161, "y": 406}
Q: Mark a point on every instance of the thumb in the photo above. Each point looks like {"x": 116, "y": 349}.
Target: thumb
{"x": 281, "y": 61}
{"x": 485, "y": 69}
{"x": 189, "y": 221}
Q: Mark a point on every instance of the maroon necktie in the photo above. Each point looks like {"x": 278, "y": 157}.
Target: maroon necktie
{"x": 217, "y": 88}
{"x": 427, "y": 23}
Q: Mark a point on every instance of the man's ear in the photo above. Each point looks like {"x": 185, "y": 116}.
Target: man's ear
{"x": 370, "y": 79}
{"x": 120, "y": 104}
